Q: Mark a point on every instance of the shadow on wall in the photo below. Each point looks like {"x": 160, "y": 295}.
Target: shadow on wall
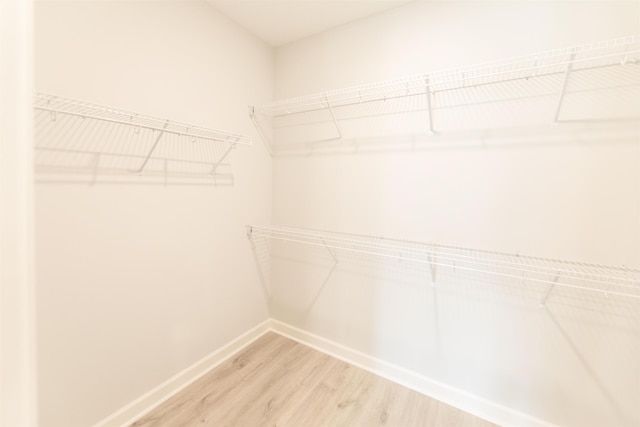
{"x": 612, "y": 132}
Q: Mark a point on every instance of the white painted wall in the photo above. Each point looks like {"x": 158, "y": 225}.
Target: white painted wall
{"x": 573, "y": 364}
{"x": 17, "y": 299}
{"x": 137, "y": 282}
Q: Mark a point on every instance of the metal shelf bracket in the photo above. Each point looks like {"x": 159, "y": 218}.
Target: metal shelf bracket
{"x": 226, "y": 153}
{"x": 333, "y": 116}
{"x": 335, "y": 264}
{"x": 433, "y": 265}
{"x": 429, "y": 108}
{"x": 543, "y": 302}
{"x": 155, "y": 144}
{"x": 565, "y": 81}
{"x": 254, "y": 120}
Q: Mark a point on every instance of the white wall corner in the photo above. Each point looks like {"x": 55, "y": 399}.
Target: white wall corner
{"x": 457, "y": 398}
{"x": 144, "y": 404}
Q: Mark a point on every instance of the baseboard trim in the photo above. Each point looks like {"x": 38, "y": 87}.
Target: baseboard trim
{"x": 488, "y": 410}
{"x": 159, "y": 394}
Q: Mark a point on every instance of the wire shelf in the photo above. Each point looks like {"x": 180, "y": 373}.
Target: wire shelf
{"x": 589, "y": 83}
{"x": 596, "y": 278}
{"x": 78, "y": 141}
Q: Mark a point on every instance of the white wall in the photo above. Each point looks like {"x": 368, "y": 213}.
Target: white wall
{"x": 567, "y": 200}
{"x": 136, "y": 282}
{"x": 17, "y": 298}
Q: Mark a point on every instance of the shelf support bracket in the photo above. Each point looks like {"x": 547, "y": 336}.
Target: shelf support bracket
{"x": 263, "y": 282}
{"x": 429, "y": 107}
{"x": 155, "y": 144}
{"x": 433, "y": 268}
{"x": 543, "y": 302}
{"x": 335, "y": 263}
{"x": 335, "y": 259}
{"x": 333, "y": 116}
{"x": 326, "y": 279}
{"x": 564, "y": 88}
{"x": 226, "y": 153}
{"x": 254, "y": 119}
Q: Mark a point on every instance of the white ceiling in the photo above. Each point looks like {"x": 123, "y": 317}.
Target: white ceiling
{"x": 280, "y": 22}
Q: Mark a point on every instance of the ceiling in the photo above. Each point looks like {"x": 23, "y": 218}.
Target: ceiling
{"x": 279, "y": 22}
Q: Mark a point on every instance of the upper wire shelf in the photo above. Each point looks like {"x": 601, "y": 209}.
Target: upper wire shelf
{"x": 596, "y": 278}
{"x": 86, "y": 141}
{"x": 588, "y": 83}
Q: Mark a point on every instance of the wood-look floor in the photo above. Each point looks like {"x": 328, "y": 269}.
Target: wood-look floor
{"x": 278, "y": 382}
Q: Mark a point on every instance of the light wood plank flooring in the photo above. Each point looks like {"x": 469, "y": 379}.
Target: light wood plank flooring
{"x": 278, "y": 382}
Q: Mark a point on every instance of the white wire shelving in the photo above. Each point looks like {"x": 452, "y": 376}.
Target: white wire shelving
{"x": 592, "y": 83}
{"x": 80, "y": 141}
{"x": 593, "y": 278}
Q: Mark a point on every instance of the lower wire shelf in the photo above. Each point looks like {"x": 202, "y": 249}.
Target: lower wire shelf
{"x": 594, "y": 278}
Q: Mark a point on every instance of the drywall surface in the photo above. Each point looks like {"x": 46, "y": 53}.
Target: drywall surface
{"x": 17, "y": 297}
{"x": 576, "y": 197}
{"x": 137, "y": 282}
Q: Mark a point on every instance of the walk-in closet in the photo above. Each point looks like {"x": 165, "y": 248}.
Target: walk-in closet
{"x": 320, "y": 213}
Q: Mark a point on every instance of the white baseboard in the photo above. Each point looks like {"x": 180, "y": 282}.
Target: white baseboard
{"x": 150, "y": 400}
{"x": 490, "y": 411}
{"x": 457, "y": 398}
